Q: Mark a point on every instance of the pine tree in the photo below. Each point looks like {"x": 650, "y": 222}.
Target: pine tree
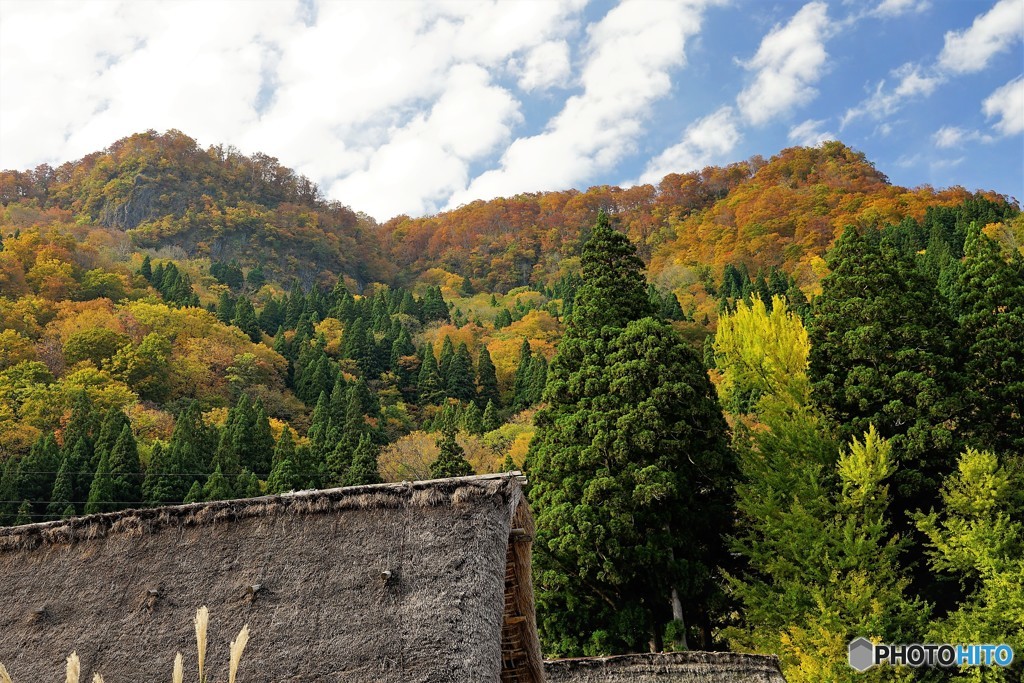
{"x": 491, "y": 418}
{"x": 125, "y": 470}
{"x": 61, "y": 496}
{"x": 285, "y": 448}
{"x": 461, "y": 383}
{"x": 157, "y": 487}
{"x": 429, "y": 385}
{"x": 473, "y": 419}
{"x": 451, "y": 461}
{"x": 195, "y": 493}
{"x": 881, "y": 355}
{"x": 487, "y": 380}
{"x": 988, "y": 299}
{"x": 114, "y": 421}
{"x": 225, "y": 308}
{"x": 245, "y": 319}
{"x": 217, "y": 487}
{"x": 630, "y": 470}
{"x": 101, "y": 493}
{"x": 36, "y": 474}
{"x": 146, "y": 270}
{"x": 524, "y": 372}
{"x": 24, "y": 514}
{"x": 538, "y": 379}
{"x": 444, "y": 363}
{"x": 363, "y": 469}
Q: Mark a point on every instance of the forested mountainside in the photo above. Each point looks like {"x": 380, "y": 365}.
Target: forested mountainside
{"x": 785, "y": 393}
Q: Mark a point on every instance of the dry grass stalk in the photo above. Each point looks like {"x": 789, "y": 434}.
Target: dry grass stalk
{"x": 74, "y": 668}
{"x": 4, "y": 676}
{"x": 237, "y": 646}
{"x": 96, "y": 678}
{"x": 202, "y": 621}
{"x": 179, "y": 669}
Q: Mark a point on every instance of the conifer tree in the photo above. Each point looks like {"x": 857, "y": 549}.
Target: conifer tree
{"x": 363, "y": 469}
{"x": 36, "y": 474}
{"x": 461, "y": 384}
{"x": 195, "y": 493}
{"x": 988, "y": 300}
{"x": 101, "y": 493}
{"x": 487, "y": 380}
{"x": 630, "y": 470}
{"x": 61, "y": 496}
{"x": 24, "y": 514}
{"x": 114, "y": 421}
{"x": 473, "y": 419}
{"x": 491, "y": 418}
{"x": 444, "y": 363}
{"x": 225, "y": 308}
{"x": 125, "y": 470}
{"x": 524, "y": 373}
{"x": 245, "y": 319}
{"x": 217, "y": 487}
{"x": 319, "y": 430}
{"x": 158, "y": 488}
{"x": 451, "y": 461}
{"x": 146, "y": 270}
{"x": 881, "y": 355}
{"x": 247, "y": 485}
{"x": 285, "y": 448}
{"x": 429, "y": 385}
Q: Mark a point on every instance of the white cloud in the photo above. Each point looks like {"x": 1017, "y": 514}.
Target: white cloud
{"x": 1007, "y": 103}
{"x": 789, "y": 61}
{"x": 995, "y": 31}
{"x": 913, "y": 82}
{"x": 628, "y": 59}
{"x": 948, "y": 137}
{"x": 889, "y": 9}
{"x": 427, "y": 159}
{"x": 546, "y": 66}
{"x": 704, "y": 141}
{"x": 810, "y": 133}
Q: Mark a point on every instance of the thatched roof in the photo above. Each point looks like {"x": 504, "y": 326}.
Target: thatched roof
{"x": 424, "y": 581}
{"x": 675, "y": 667}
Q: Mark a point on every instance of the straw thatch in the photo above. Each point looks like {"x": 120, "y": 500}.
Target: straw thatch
{"x": 675, "y": 667}
{"x": 425, "y": 581}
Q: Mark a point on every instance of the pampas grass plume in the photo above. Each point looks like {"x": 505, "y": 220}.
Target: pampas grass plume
{"x": 179, "y": 669}
{"x": 237, "y": 646}
{"x": 201, "y": 622}
{"x": 4, "y": 676}
{"x": 96, "y": 678}
{"x": 74, "y": 668}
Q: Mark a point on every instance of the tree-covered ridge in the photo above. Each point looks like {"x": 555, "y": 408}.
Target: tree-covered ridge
{"x": 166, "y": 191}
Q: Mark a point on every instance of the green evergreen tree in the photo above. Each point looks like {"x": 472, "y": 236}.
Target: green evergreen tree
{"x": 988, "y": 298}
{"x": 245, "y": 319}
{"x": 630, "y": 470}
{"x": 285, "y": 448}
{"x": 217, "y": 487}
{"x": 284, "y": 477}
{"x": 225, "y": 308}
{"x": 158, "y": 486}
{"x": 146, "y": 270}
{"x": 101, "y": 493}
{"x": 487, "y": 380}
{"x": 461, "y": 384}
{"x": 444, "y": 363}
{"x": 363, "y": 469}
{"x": 881, "y": 355}
{"x": 114, "y": 421}
{"x": 534, "y": 389}
{"x": 36, "y": 474}
{"x": 195, "y": 493}
{"x": 429, "y": 384}
{"x": 524, "y": 372}
{"x": 60, "y": 497}
{"x": 473, "y": 419}
{"x": 125, "y": 470}
{"x": 491, "y": 418}
{"x": 24, "y": 514}
{"x": 451, "y": 461}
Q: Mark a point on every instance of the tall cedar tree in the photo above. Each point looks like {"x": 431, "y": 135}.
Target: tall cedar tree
{"x": 881, "y": 354}
{"x": 363, "y": 469}
{"x": 451, "y": 460}
{"x": 461, "y": 383}
{"x": 630, "y": 471}
{"x": 126, "y": 470}
{"x": 988, "y": 300}
{"x": 487, "y": 380}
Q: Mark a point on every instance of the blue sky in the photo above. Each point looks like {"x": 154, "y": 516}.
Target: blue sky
{"x": 414, "y": 107}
